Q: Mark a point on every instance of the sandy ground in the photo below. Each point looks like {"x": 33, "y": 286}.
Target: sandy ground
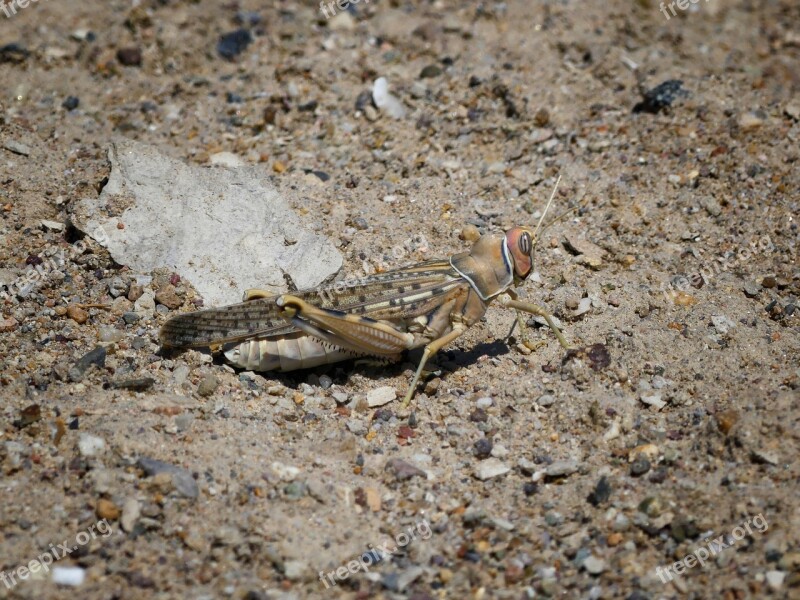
{"x": 671, "y": 432}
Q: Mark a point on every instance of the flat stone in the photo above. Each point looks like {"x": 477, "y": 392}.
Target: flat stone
{"x": 402, "y": 470}
{"x": 655, "y": 401}
{"x": 589, "y": 253}
{"x": 490, "y": 468}
{"x": 561, "y": 468}
{"x": 225, "y": 230}
{"x": 182, "y": 480}
{"x": 380, "y": 396}
{"x": 17, "y": 147}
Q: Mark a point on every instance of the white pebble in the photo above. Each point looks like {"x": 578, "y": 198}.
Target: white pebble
{"x": 380, "y": 396}
{"x": 73, "y": 576}
{"x": 90, "y": 445}
{"x": 385, "y": 101}
{"x": 285, "y": 472}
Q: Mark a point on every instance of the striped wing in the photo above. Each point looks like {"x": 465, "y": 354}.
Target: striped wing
{"x": 391, "y": 296}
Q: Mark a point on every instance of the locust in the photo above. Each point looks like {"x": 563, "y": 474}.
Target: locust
{"x": 429, "y": 305}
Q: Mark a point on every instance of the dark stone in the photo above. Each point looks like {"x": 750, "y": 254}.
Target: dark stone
{"x": 232, "y": 44}
{"x": 640, "y": 466}
{"x": 139, "y": 384}
{"x": 660, "y": 97}
{"x": 430, "y": 71}
{"x": 71, "y": 103}
{"x": 483, "y": 448}
{"x": 130, "y": 57}
{"x": 601, "y": 493}
{"x": 97, "y": 357}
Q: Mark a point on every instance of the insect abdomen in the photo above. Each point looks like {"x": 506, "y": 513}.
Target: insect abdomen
{"x": 286, "y": 354}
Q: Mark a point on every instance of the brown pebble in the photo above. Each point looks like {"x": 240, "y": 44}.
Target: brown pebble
{"x": 542, "y": 117}
{"x": 7, "y": 325}
{"x": 61, "y": 310}
{"x": 614, "y": 539}
{"x": 130, "y": 57}
{"x": 167, "y": 296}
{"x": 470, "y": 233}
{"x": 684, "y": 299}
{"x": 106, "y": 509}
{"x": 77, "y": 314}
{"x": 770, "y": 281}
{"x": 278, "y": 166}
{"x": 135, "y": 292}
{"x": 726, "y": 420}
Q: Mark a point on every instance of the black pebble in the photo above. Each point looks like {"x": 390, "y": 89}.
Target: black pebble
{"x": 661, "y": 96}
{"x": 234, "y": 43}
{"x": 483, "y": 447}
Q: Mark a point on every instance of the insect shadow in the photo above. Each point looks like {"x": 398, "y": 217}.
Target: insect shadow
{"x": 446, "y": 361}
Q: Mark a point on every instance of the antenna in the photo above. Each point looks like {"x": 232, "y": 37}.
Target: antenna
{"x": 546, "y": 208}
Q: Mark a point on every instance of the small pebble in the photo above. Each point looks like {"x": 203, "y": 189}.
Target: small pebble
{"x": 640, "y": 466}
{"x": 71, "y": 576}
{"x": 208, "y": 385}
{"x": 470, "y": 233}
{"x": 491, "y": 468}
{"x": 380, "y": 396}
{"x": 90, "y": 445}
{"x": 131, "y": 511}
{"x": 402, "y": 470}
{"x": 232, "y": 44}
{"x": 483, "y": 448}
{"x": 130, "y": 57}
{"x": 594, "y": 565}
{"x": 77, "y": 314}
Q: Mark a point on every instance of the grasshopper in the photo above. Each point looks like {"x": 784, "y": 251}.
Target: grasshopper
{"x": 428, "y": 305}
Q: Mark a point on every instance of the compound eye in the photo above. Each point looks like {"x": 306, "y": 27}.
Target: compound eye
{"x": 525, "y": 244}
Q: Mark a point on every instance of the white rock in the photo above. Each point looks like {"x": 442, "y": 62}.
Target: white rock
{"x": 722, "y": 323}
{"x": 499, "y": 451}
{"x": 225, "y": 230}
{"x": 294, "y": 569}
{"x": 285, "y": 472}
{"x": 91, "y": 445}
{"x": 387, "y": 103}
{"x": 52, "y": 225}
{"x": 489, "y": 468}
{"x": 594, "y": 565}
{"x": 146, "y": 304}
{"x": 131, "y": 510}
{"x": 655, "y": 401}
{"x": 775, "y": 580}
{"x": 17, "y": 147}
{"x": 584, "y": 306}
{"x": 226, "y": 159}
{"x": 73, "y": 576}
{"x": 380, "y": 396}
{"x": 484, "y": 402}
